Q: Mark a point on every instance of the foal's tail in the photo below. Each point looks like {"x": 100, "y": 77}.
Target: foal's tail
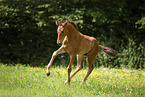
{"x": 109, "y": 51}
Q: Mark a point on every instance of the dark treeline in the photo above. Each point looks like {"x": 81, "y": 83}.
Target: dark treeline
{"x": 28, "y": 31}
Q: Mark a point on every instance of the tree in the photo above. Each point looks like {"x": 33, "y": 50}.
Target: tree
{"x": 28, "y": 31}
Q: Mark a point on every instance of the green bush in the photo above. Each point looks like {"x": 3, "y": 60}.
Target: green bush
{"x": 28, "y": 31}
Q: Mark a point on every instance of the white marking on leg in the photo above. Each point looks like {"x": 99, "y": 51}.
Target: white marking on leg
{"x": 59, "y": 51}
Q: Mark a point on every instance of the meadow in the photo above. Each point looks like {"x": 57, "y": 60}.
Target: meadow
{"x": 26, "y": 81}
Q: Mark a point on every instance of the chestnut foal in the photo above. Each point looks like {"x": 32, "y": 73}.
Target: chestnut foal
{"x": 76, "y": 44}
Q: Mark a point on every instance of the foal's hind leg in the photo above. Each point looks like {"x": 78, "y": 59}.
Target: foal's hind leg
{"x": 59, "y": 51}
{"x": 90, "y": 67}
{"x": 90, "y": 59}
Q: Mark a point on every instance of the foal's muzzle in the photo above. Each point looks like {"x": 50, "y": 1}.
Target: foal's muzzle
{"x": 59, "y": 43}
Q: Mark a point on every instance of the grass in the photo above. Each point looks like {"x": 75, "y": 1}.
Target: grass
{"x": 25, "y": 81}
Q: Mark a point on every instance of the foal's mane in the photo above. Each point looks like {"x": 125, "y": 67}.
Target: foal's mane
{"x": 71, "y": 22}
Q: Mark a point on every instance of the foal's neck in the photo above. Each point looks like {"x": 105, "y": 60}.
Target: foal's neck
{"x": 73, "y": 32}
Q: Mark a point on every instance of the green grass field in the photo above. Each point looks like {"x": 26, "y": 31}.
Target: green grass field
{"x": 25, "y": 81}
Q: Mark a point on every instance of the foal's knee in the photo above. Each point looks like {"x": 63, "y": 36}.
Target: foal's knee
{"x": 54, "y": 54}
{"x": 69, "y": 69}
{"x": 80, "y": 67}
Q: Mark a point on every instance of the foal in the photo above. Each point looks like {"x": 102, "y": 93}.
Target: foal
{"x": 76, "y": 44}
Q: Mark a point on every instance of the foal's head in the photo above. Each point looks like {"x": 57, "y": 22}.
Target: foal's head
{"x": 61, "y": 31}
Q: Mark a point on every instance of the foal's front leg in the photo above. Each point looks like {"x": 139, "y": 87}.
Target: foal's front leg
{"x": 59, "y": 51}
{"x": 69, "y": 68}
{"x": 79, "y": 65}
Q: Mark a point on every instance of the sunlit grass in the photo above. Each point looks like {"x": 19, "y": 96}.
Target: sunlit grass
{"x": 22, "y": 81}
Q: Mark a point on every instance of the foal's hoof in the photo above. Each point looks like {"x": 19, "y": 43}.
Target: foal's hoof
{"x": 47, "y": 73}
{"x": 65, "y": 82}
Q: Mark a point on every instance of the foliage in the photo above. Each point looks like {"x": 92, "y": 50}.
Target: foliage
{"x": 142, "y": 23}
{"x": 130, "y": 57}
{"x": 28, "y": 31}
{"x": 32, "y": 81}
{"x": 24, "y": 35}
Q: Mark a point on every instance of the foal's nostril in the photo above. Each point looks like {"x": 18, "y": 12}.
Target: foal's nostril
{"x": 59, "y": 44}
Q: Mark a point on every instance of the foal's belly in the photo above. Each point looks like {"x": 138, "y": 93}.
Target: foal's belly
{"x": 86, "y": 45}
{"x": 84, "y": 50}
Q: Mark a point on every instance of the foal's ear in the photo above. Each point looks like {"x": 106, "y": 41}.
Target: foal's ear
{"x": 63, "y": 24}
{"x": 56, "y": 22}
